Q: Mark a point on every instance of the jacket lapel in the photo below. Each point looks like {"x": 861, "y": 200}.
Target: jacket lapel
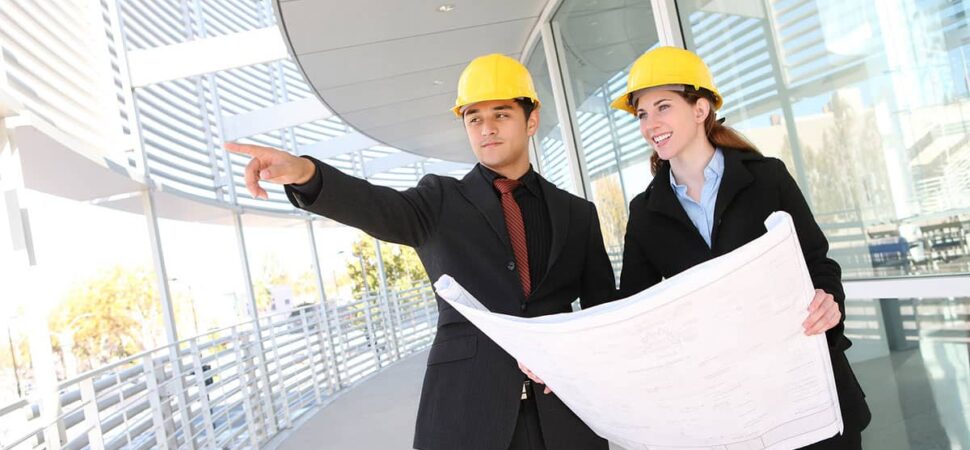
{"x": 663, "y": 200}
{"x": 476, "y": 189}
{"x": 736, "y": 177}
{"x": 557, "y": 202}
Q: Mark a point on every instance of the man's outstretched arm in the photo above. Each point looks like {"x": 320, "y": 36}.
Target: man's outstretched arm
{"x": 406, "y": 217}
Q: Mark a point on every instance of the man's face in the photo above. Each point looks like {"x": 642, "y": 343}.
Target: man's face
{"x": 499, "y": 132}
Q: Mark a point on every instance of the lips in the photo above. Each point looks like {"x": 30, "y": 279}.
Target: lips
{"x": 490, "y": 144}
{"x": 661, "y": 139}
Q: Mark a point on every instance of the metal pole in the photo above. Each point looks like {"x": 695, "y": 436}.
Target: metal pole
{"x": 385, "y": 304}
{"x": 13, "y": 357}
{"x": 257, "y": 327}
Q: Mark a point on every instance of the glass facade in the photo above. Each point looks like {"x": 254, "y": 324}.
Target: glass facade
{"x": 598, "y": 41}
{"x": 866, "y": 102}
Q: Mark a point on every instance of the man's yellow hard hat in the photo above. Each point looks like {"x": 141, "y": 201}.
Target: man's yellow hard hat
{"x": 667, "y": 66}
{"x": 494, "y": 77}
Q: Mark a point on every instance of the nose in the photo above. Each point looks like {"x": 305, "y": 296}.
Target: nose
{"x": 649, "y": 126}
{"x": 489, "y": 128}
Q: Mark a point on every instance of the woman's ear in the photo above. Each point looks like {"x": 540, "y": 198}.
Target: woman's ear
{"x": 701, "y": 109}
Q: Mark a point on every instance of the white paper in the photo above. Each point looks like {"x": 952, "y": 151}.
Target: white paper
{"x": 713, "y": 358}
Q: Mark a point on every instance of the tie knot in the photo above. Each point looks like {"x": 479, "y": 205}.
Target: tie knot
{"x": 505, "y": 185}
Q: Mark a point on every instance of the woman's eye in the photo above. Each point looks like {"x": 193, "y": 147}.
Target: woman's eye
{"x": 641, "y": 116}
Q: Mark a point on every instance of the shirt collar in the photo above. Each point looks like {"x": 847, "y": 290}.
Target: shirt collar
{"x": 530, "y": 179}
{"x": 713, "y": 171}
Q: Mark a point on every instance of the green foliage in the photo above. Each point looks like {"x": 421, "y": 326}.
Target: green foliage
{"x": 402, "y": 267}
{"x": 112, "y": 316}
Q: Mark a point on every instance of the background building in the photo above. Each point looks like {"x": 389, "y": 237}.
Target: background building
{"x": 128, "y": 241}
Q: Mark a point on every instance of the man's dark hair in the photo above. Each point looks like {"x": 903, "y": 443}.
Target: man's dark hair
{"x": 527, "y": 106}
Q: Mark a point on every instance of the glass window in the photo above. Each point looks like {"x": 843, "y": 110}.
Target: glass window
{"x": 867, "y": 104}
{"x": 204, "y": 273}
{"x": 548, "y": 141}
{"x": 92, "y": 285}
{"x": 598, "y": 43}
{"x": 280, "y": 264}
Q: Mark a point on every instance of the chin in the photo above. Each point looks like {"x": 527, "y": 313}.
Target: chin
{"x": 665, "y": 154}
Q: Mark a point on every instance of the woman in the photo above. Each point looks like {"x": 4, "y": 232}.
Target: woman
{"x": 711, "y": 192}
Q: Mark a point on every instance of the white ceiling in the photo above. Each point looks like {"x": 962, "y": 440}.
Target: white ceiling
{"x": 390, "y": 68}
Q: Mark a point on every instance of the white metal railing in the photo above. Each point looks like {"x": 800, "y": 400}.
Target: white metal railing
{"x": 229, "y": 388}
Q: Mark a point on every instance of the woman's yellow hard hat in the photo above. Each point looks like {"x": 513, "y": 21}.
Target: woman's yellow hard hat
{"x": 666, "y": 66}
{"x": 494, "y": 77}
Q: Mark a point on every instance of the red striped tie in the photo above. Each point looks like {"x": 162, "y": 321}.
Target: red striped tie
{"x": 516, "y": 228}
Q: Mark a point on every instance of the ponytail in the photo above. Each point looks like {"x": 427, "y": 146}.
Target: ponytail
{"x": 718, "y": 134}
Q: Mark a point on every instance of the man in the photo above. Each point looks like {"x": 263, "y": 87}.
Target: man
{"x": 511, "y": 238}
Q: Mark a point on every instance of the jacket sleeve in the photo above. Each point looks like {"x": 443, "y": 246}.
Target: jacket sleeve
{"x": 638, "y": 272}
{"x": 826, "y": 274}
{"x": 402, "y": 217}
{"x": 599, "y": 283}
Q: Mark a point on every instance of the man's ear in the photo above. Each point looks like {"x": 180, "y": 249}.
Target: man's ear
{"x": 532, "y": 122}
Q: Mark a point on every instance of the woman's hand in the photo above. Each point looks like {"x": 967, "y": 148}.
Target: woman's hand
{"x": 823, "y": 314}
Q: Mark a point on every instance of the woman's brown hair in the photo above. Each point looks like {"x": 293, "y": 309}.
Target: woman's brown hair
{"x": 717, "y": 134}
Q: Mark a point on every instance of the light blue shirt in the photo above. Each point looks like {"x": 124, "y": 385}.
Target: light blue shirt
{"x": 702, "y": 213}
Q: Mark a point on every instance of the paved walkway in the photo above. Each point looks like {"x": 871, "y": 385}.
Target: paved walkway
{"x": 378, "y": 414}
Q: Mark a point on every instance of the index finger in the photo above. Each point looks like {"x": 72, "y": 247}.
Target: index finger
{"x": 245, "y": 149}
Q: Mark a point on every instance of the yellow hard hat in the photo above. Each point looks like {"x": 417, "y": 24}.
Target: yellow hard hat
{"x": 665, "y": 66}
{"x": 494, "y": 77}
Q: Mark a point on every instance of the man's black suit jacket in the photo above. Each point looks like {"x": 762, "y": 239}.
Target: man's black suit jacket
{"x": 472, "y": 388}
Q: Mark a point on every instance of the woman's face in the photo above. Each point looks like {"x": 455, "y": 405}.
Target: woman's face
{"x": 668, "y": 122}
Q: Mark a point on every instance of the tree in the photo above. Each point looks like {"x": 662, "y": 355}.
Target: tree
{"x": 849, "y": 176}
{"x": 114, "y": 315}
{"x": 402, "y": 267}
{"x": 611, "y": 207}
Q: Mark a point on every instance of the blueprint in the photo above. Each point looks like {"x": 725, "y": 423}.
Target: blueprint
{"x": 713, "y": 358}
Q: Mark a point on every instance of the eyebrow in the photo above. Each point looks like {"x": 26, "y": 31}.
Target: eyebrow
{"x": 497, "y": 108}
{"x": 654, "y": 104}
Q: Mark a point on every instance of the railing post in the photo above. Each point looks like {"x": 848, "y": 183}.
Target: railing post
{"x": 371, "y": 336}
{"x": 285, "y": 421}
{"x": 428, "y": 304}
{"x": 161, "y": 410}
{"x": 247, "y": 376}
{"x": 398, "y": 330}
{"x": 334, "y": 360}
{"x": 311, "y": 355}
{"x": 92, "y": 417}
{"x": 201, "y": 385}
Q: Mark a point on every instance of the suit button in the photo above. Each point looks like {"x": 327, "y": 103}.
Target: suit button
{"x": 523, "y": 306}
{"x": 511, "y": 265}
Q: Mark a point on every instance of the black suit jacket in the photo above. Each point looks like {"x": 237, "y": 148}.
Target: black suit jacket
{"x": 472, "y": 388}
{"x": 661, "y": 242}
